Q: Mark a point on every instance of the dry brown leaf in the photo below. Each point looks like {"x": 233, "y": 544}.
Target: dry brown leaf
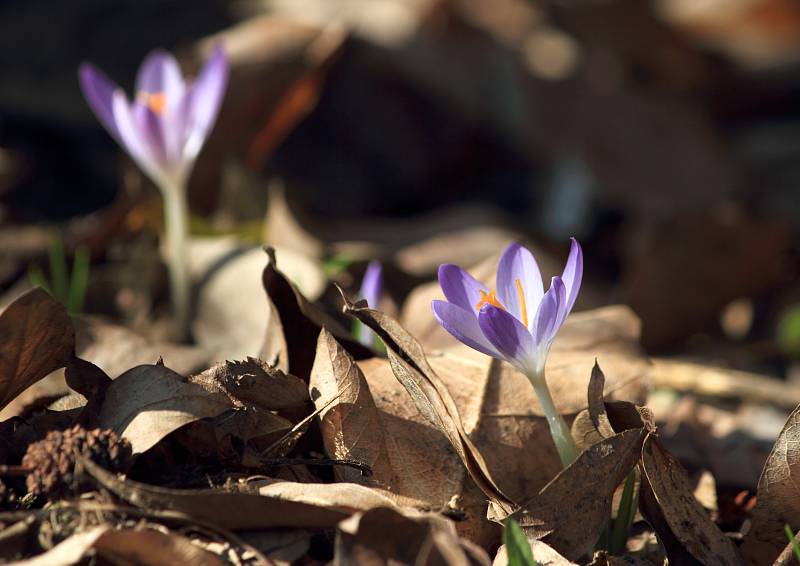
{"x": 91, "y": 382}
{"x": 254, "y": 382}
{"x": 592, "y": 425}
{"x": 778, "y": 501}
{"x": 148, "y": 402}
{"x": 115, "y": 349}
{"x": 36, "y": 337}
{"x": 385, "y": 536}
{"x": 543, "y": 554}
{"x": 691, "y": 531}
{"x": 351, "y": 425}
{"x": 233, "y": 313}
{"x": 144, "y": 547}
{"x": 301, "y": 321}
{"x": 571, "y": 511}
{"x": 348, "y": 496}
{"x": 230, "y": 510}
{"x": 429, "y": 394}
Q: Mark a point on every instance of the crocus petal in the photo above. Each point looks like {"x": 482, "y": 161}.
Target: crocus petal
{"x": 151, "y": 133}
{"x": 463, "y": 325}
{"x": 509, "y": 336}
{"x": 549, "y": 314}
{"x": 161, "y": 74}
{"x": 205, "y": 97}
{"x": 99, "y": 93}
{"x": 573, "y": 274}
{"x": 518, "y": 263}
{"x": 460, "y": 287}
{"x": 372, "y": 284}
{"x": 131, "y": 139}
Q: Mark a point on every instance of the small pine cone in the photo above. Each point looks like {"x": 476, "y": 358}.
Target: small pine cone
{"x": 52, "y": 460}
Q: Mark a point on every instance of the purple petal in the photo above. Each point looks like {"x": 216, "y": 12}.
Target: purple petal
{"x": 372, "y": 284}
{"x": 460, "y": 287}
{"x": 518, "y": 263}
{"x": 550, "y": 313}
{"x": 151, "y": 133}
{"x": 463, "y": 325}
{"x": 99, "y": 92}
{"x": 573, "y": 274}
{"x": 130, "y": 138}
{"x": 161, "y": 74}
{"x": 205, "y": 97}
{"x": 508, "y": 335}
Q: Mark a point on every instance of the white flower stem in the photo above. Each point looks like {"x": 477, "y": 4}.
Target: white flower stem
{"x": 567, "y": 450}
{"x": 176, "y": 218}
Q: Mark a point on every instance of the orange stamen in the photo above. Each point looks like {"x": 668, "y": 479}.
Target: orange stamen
{"x": 156, "y": 101}
{"x": 489, "y": 298}
{"x": 522, "y": 306}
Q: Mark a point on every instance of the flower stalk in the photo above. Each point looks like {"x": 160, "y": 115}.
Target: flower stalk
{"x": 176, "y": 220}
{"x": 562, "y": 437}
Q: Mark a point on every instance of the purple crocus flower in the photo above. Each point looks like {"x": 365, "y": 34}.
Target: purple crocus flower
{"x": 371, "y": 289}
{"x": 519, "y": 321}
{"x": 165, "y": 126}
{"x": 163, "y": 130}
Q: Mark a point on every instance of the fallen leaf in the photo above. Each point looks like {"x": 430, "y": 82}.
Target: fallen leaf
{"x": 301, "y": 321}
{"x": 389, "y": 536}
{"x": 91, "y": 382}
{"x": 429, "y": 394}
{"x": 681, "y": 523}
{"x": 230, "y": 510}
{"x": 36, "y": 337}
{"x": 145, "y": 547}
{"x": 148, "y": 402}
{"x": 254, "y": 382}
{"x": 233, "y": 314}
{"x": 115, "y": 349}
{"x": 352, "y": 427}
{"x": 592, "y": 425}
{"x": 778, "y": 503}
{"x": 570, "y": 512}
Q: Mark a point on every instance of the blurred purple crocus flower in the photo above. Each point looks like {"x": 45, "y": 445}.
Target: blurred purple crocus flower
{"x": 163, "y": 129}
{"x": 167, "y": 122}
{"x": 517, "y": 322}
{"x": 371, "y": 289}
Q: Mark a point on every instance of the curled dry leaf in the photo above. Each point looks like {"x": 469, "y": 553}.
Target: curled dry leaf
{"x": 345, "y": 496}
{"x": 36, "y": 337}
{"x": 255, "y": 382}
{"x": 148, "y": 402}
{"x": 301, "y": 322}
{"x": 391, "y": 536}
{"x": 542, "y": 553}
{"x": 778, "y": 500}
{"x": 92, "y": 383}
{"x": 352, "y": 427}
{"x": 229, "y": 510}
{"x": 592, "y": 425}
{"x": 429, "y": 394}
{"x": 145, "y": 547}
{"x": 571, "y": 511}
{"x": 683, "y": 526}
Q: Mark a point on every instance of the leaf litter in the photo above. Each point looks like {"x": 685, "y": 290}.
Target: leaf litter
{"x": 416, "y": 457}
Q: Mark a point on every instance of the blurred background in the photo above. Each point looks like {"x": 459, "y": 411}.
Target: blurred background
{"x": 664, "y": 135}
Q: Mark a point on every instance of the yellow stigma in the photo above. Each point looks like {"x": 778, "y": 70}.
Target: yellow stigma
{"x": 489, "y": 298}
{"x": 522, "y": 307}
{"x": 155, "y": 101}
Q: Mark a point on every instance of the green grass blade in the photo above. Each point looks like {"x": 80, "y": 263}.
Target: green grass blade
{"x": 58, "y": 268}
{"x": 625, "y": 515}
{"x": 517, "y": 546}
{"x": 37, "y": 278}
{"x": 79, "y": 282}
{"x": 793, "y": 540}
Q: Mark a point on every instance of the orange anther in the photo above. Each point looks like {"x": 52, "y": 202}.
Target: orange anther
{"x": 489, "y": 298}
